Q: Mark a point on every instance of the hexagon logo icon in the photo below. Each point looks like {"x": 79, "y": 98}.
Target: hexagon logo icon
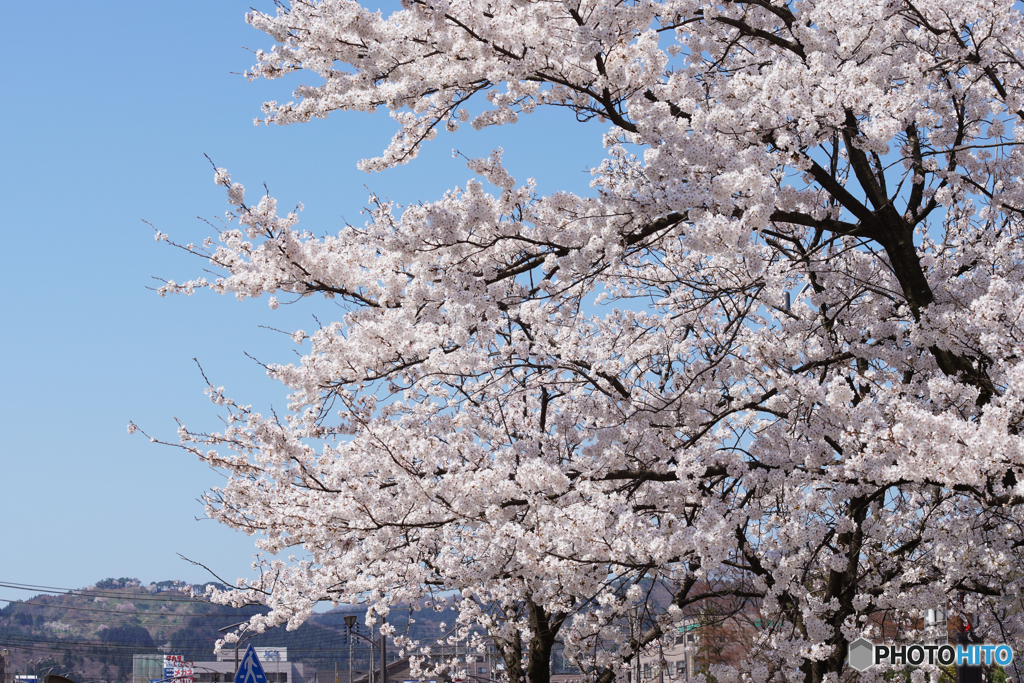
{"x": 862, "y": 654}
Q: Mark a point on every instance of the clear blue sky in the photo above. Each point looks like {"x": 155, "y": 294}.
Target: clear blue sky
{"x": 109, "y": 110}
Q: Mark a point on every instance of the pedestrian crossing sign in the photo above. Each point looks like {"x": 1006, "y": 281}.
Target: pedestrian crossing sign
{"x": 250, "y": 670}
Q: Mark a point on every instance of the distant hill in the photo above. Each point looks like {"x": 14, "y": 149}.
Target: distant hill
{"x": 90, "y": 634}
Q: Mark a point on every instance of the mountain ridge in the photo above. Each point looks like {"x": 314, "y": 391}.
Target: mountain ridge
{"x": 90, "y": 634}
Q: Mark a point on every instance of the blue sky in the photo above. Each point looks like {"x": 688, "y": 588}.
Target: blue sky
{"x": 110, "y": 109}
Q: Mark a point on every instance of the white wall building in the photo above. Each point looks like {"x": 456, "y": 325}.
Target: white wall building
{"x": 673, "y": 661}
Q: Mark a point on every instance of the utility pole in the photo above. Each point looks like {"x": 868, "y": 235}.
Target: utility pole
{"x": 350, "y": 621}
{"x": 636, "y": 623}
{"x": 237, "y": 642}
{"x": 383, "y": 654}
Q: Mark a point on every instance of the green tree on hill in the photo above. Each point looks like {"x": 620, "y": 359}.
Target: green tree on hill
{"x": 121, "y": 642}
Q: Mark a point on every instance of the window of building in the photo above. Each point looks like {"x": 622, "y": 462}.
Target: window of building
{"x": 647, "y": 670}
{"x": 681, "y": 667}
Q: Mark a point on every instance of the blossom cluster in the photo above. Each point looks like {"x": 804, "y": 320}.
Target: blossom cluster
{"x": 777, "y": 356}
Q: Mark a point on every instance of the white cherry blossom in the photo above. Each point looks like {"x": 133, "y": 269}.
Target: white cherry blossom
{"x": 775, "y": 362}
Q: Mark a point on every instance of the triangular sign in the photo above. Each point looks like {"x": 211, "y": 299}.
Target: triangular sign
{"x": 250, "y": 670}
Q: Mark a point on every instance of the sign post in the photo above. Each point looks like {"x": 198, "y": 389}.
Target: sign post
{"x": 250, "y": 670}
{"x": 177, "y": 669}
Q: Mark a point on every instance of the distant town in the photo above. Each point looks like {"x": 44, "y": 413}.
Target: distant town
{"x": 121, "y": 631}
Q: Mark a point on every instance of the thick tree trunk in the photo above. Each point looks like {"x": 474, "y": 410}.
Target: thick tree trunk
{"x": 512, "y": 653}
{"x": 538, "y": 667}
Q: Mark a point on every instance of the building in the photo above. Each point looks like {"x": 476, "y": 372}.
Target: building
{"x": 937, "y": 625}
{"x": 674, "y": 660}
{"x": 569, "y": 678}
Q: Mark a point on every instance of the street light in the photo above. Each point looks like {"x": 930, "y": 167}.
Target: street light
{"x": 350, "y": 621}
{"x": 240, "y": 639}
{"x": 36, "y": 662}
{"x": 195, "y": 673}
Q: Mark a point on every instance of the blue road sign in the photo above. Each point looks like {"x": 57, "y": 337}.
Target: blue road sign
{"x": 250, "y": 670}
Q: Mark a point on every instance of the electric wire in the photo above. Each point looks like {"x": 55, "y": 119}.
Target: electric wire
{"x": 100, "y": 593}
{"x": 124, "y": 612}
{"x": 114, "y": 648}
{"x": 310, "y": 645}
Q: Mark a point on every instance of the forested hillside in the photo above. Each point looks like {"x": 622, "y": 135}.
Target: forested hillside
{"x": 90, "y": 634}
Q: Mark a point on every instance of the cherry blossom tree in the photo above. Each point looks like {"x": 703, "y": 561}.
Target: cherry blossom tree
{"x": 775, "y": 356}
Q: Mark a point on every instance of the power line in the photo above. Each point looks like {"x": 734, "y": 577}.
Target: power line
{"x": 296, "y": 640}
{"x": 30, "y": 638}
{"x": 128, "y": 612}
{"x": 114, "y": 648}
{"x": 99, "y": 593}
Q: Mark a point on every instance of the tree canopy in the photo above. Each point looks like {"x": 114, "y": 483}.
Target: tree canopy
{"x": 773, "y": 361}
